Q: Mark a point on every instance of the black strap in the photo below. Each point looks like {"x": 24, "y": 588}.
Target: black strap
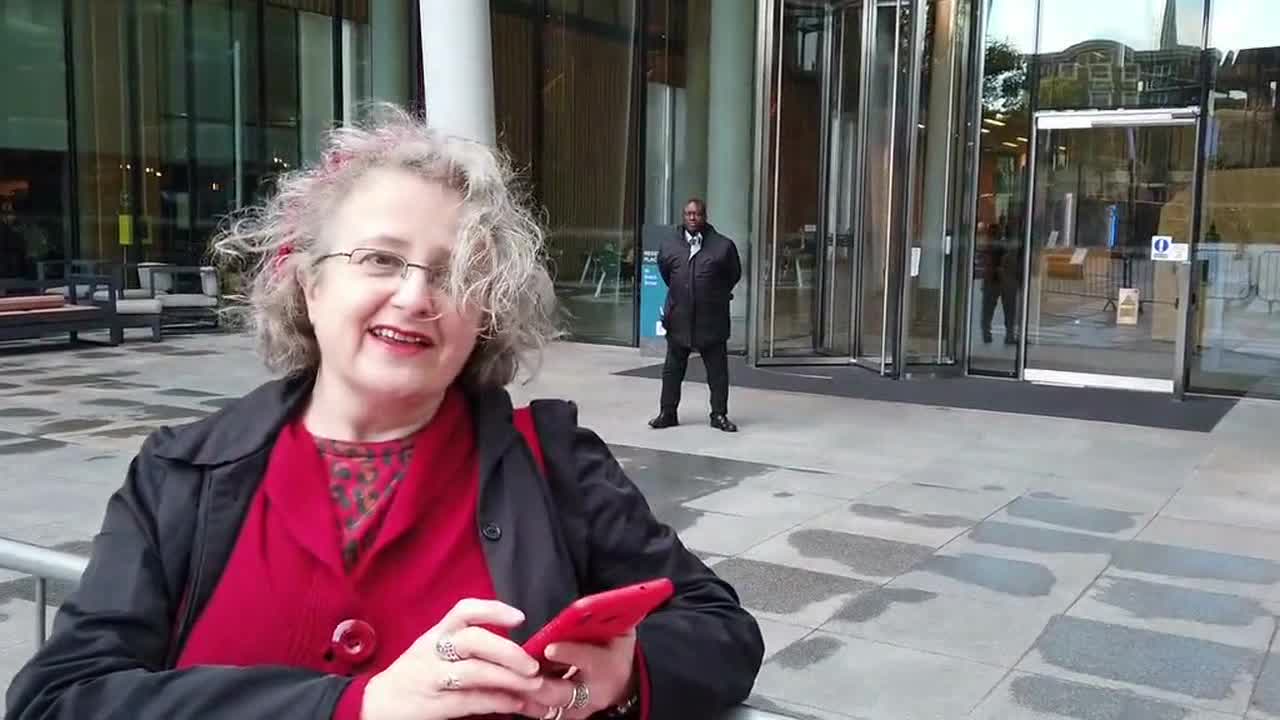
{"x": 557, "y": 424}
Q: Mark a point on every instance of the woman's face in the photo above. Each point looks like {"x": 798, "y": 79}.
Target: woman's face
{"x": 382, "y": 335}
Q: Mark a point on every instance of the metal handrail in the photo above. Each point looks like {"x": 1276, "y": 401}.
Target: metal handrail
{"x": 45, "y": 564}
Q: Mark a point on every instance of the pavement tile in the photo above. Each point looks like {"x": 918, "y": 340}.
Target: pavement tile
{"x": 862, "y": 517}
{"x": 875, "y": 680}
{"x": 1223, "y": 511}
{"x": 778, "y": 635}
{"x": 721, "y": 534}
{"x": 765, "y": 503}
{"x": 1024, "y": 696}
{"x": 847, "y": 487}
{"x": 1075, "y": 517}
{"x": 1175, "y": 668}
{"x": 784, "y": 708}
{"x": 994, "y": 632}
{"x": 1176, "y": 610}
{"x": 1265, "y": 703}
{"x": 1248, "y": 542}
{"x": 840, "y": 553}
{"x": 786, "y": 594}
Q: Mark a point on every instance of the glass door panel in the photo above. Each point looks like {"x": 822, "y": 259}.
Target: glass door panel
{"x": 1100, "y": 309}
{"x": 792, "y": 269}
{"x": 877, "y": 299}
{"x": 842, "y": 160}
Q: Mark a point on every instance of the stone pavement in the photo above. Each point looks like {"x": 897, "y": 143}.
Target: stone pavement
{"x": 904, "y": 561}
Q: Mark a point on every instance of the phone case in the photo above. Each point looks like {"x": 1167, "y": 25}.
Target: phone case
{"x": 599, "y": 618}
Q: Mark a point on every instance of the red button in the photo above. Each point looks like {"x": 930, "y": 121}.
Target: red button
{"x": 354, "y": 641}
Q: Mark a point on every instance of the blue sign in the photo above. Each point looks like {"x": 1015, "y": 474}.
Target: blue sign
{"x": 1160, "y": 244}
{"x": 1113, "y": 222}
{"x": 653, "y": 295}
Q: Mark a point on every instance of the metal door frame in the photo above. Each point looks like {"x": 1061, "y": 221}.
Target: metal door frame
{"x": 1086, "y": 120}
{"x": 767, "y": 134}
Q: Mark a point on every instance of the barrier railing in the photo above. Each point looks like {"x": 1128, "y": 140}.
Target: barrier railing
{"x": 44, "y": 564}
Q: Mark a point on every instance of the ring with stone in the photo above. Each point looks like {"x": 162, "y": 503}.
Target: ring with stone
{"x": 451, "y": 682}
{"x": 581, "y": 696}
{"x": 446, "y": 650}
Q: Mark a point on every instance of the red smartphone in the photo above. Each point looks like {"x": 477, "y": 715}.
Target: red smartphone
{"x": 599, "y": 618}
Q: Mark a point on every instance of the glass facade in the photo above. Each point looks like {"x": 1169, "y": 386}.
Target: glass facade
{"x": 132, "y": 126}
{"x": 981, "y": 185}
{"x": 1236, "y": 338}
{"x": 565, "y": 94}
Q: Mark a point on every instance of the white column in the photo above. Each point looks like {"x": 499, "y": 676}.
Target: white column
{"x": 730, "y": 149}
{"x": 457, "y": 62}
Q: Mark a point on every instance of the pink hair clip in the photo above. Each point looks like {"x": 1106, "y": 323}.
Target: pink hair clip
{"x": 336, "y": 160}
{"x": 282, "y": 256}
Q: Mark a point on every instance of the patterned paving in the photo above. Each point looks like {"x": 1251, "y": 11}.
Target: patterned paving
{"x": 927, "y": 594}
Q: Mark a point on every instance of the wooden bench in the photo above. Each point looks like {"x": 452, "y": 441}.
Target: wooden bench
{"x": 27, "y": 311}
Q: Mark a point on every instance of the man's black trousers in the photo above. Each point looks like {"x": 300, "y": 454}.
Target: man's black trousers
{"x": 715, "y": 358}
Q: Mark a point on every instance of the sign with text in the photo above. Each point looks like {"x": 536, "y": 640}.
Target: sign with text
{"x": 1164, "y": 249}
{"x": 1127, "y": 306}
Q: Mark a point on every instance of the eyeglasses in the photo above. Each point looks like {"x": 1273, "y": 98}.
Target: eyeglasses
{"x": 385, "y": 264}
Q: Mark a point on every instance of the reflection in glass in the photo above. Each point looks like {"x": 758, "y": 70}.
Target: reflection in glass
{"x": 1003, "y": 153}
{"x": 35, "y": 193}
{"x": 1236, "y": 339}
{"x": 885, "y": 90}
{"x": 790, "y": 268}
{"x": 699, "y": 124}
{"x": 563, "y": 89}
{"x": 1107, "y": 54}
{"x": 1099, "y": 303}
{"x": 938, "y": 136}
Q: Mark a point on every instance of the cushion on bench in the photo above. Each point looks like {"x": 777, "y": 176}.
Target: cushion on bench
{"x": 31, "y": 302}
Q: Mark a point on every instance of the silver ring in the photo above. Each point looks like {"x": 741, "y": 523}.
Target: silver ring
{"x": 581, "y": 696}
{"x": 451, "y": 682}
{"x": 446, "y": 650}
{"x": 554, "y": 713}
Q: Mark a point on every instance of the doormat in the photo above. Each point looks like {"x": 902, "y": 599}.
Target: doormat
{"x": 1143, "y": 409}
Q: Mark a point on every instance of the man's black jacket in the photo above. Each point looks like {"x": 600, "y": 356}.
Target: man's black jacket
{"x": 169, "y": 531}
{"x": 696, "y": 313}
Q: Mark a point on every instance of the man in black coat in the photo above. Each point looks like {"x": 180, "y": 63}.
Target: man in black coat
{"x": 701, "y": 268}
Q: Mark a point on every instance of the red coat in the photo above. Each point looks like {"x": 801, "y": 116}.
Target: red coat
{"x": 285, "y": 597}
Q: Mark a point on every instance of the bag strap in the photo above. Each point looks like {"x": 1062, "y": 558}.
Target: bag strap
{"x": 525, "y": 424}
{"x": 549, "y": 428}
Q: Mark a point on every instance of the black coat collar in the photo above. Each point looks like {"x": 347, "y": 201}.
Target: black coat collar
{"x": 251, "y": 424}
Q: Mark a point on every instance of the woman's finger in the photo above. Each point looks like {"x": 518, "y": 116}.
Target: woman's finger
{"x": 553, "y": 693}
{"x": 479, "y": 643}
{"x": 469, "y": 703}
{"x": 471, "y": 611}
{"x": 483, "y": 675}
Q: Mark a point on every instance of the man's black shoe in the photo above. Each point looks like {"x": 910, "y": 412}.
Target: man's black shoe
{"x": 664, "y": 420}
{"x": 722, "y": 422}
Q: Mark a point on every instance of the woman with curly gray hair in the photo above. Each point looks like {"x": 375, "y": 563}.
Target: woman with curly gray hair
{"x": 375, "y": 535}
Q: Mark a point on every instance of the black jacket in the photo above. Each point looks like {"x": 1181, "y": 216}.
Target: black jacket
{"x": 169, "y": 531}
{"x": 696, "y": 313}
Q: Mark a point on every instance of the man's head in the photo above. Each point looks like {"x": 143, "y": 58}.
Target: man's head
{"x": 695, "y": 215}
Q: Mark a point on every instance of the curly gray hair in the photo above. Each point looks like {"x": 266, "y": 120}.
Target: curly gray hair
{"x": 498, "y": 266}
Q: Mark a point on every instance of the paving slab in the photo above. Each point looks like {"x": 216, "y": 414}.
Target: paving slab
{"x": 993, "y": 631}
{"x": 1176, "y": 610}
{"x": 1175, "y": 668}
{"x": 790, "y": 595}
{"x": 1024, "y": 696}
{"x": 875, "y": 680}
{"x": 864, "y": 557}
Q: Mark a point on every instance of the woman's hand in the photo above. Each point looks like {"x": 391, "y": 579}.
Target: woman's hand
{"x": 459, "y": 669}
{"x": 604, "y": 677}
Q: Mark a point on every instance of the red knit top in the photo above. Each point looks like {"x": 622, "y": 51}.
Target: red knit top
{"x": 309, "y": 584}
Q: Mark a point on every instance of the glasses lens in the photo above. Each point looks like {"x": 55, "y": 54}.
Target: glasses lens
{"x": 378, "y": 263}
